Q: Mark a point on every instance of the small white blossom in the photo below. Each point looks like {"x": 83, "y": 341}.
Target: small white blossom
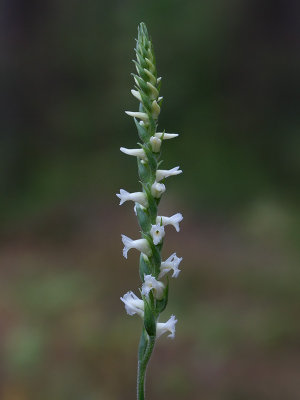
{"x": 165, "y": 173}
{"x": 151, "y": 76}
{"x": 136, "y": 94}
{"x": 154, "y": 92}
{"x": 138, "y": 197}
{"x": 151, "y": 65}
{"x": 171, "y": 263}
{"x": 133, "y": 304}
{"x": 134, "y": 152}
{"x": 155, "y": 109}
{"x": 165, "y": 135}
{"x": 157, "y": 189}
{"x": 174, "y": 220}
{"x": 136, "y": 114}
{"x": 155, "y": 144}
{"x": 169, "y": 326}
{"x": 150, "y": 283}
{"x": 157, "y": 232}
{"x": 141, "y": 245}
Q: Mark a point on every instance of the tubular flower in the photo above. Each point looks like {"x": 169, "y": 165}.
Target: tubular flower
{"x": 141, "y": 245}
{"x": 171, "y": 263}
{"x": 164, "y": 136}
{"x": 152, "y": 269}
{"x": 174, "y": 220}
{"x": 138, "y": 197}
{"x": 165, "y": 173}
{"x": 150, "y": 283}
{"x": 157, "y": 232}
{"x": 133, "y": 305}
{"x": 140, "y": 153}
{"x": 164, "y": 327}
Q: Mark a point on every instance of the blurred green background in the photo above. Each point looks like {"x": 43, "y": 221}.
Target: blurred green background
{"x": 230, "y": 84}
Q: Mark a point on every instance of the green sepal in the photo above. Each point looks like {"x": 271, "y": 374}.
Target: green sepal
{"x": 141, "y": 71}
{"x": 162, "y": 304}
{"x": 151, "y": 159}
{"x": 152, "y": 204}
{"x": 143, "y": 133}
{"x": 142, "y": 84}
{"x": 142, "y": 62}
{"x": 144, "y": 171}
{"x": 143, "y": 218}
{"x": 149, "y": 318}
{"x": 146, "y": 102}
{"x": 145, "y": 267}
{"x": 143, "y": 344}
{"x": 155, "y": 258}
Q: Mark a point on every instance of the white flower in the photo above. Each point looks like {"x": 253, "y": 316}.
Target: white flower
{"x": 157, "y": 189}
{"x": 171, "y": 263}
{"x": 141, "y": 115}
{"x": 157, "y": 232}
{"x": 138, "y": 197}
{"x": 155, "y": 109}
{"x": 155, "y": 144}
{"x": 151, "y": 76}
{"x": 165, "y": 173}
{"x": 150, "y": 283}
{"x": 136, "y": 94}
{"x": 174, "y": 220}
{"x": 154, "y": 92}
{"x": 133, "y": 304}
{"x": 140, "y": 244}
{"x": 169, "y": 326}
{"x": 165, "y": 135}
{"x": 134, "y": 152}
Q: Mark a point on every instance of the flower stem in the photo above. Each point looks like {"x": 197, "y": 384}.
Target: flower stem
{"x": 142, "y": 366}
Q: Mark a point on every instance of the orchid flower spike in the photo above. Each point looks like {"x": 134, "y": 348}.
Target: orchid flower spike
{"x": 164, "y": 327}
{"x": 150, "y": 283}
{"x": 133, "y": 304}
{"x": 138, "y": 197}
{"x": 148, "y": 157}
{"x": 157, "y": 232}
{"x": 165, "y": 173}
{"x": 174, "y": 220}
{"x": 171, "y": 263}
{"x": 141, "y": 245}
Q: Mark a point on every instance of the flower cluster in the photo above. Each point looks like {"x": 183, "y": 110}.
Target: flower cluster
{"x": 153, "y": 271}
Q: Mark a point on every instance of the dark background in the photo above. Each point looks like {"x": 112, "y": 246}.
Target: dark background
{"x": 231, "y": 85}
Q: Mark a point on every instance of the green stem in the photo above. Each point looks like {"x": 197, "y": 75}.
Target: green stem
{"x": 142, "y": 367}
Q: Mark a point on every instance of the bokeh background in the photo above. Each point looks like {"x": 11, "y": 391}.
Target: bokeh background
{"x": 230, "y": 82}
